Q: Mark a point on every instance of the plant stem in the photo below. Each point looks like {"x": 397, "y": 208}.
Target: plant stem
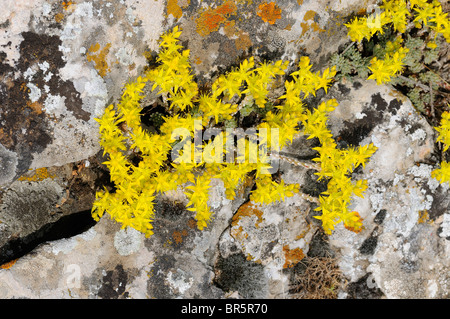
{"x": 296, "y": 162}
{"x": 431, "y": 100}
{"x": 348, "y": 47}
{"x": 419, "y": 84}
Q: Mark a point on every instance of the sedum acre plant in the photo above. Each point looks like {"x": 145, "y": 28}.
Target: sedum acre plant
{"x": 398, "y": 15}
{"x": 442, "y": 174}
{"x": 400, "y": 43}
{"x": 409, "y": 34}
{"x": 143, "y": 163}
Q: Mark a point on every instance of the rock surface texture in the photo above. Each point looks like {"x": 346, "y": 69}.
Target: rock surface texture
{"x": 61, "y": 63}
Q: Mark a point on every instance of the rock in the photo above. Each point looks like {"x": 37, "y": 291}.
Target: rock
{"x": 46, "y": 204}
{"x": 27, "y": 206}
{"x": 220, "y": 36}
{"x": 60, "y": 64}
{"x": 267, "y": 239}
{"x": 401, "y": 250}
{"x": 109, "y": 262}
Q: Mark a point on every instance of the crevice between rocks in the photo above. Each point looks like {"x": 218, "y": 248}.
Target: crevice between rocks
{"x": 66, "y": 227}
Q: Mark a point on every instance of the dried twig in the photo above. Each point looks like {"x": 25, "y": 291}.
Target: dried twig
{"x": 296, "y": 162}
{"x": 321, "y": 279}
{"x": 431, "y": 100}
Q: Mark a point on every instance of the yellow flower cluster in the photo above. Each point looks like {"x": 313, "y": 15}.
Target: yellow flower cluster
{"x": 398, "y": 13}
{"x": 337, "y": 166}
{"x": 173, "y": 76}
{"x": 442, "y": 174}
{"x": 131, "y": 204}
{"x": 383, "y": 70}
{"x": 139, "y": 161}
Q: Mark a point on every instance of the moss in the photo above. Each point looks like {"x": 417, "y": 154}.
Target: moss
{"x": 361, "y": 290}
{"x": 369, "y": 245}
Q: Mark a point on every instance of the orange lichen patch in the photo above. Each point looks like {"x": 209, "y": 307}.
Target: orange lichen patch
{"x": 6, "y": 137}
{"x": 36, "y": 175}
{"x": 24, "y": 87}
{"x": 300, "y": 2}
{"x": 251, "y": 258}
{"x": 310, "y": 15}
{"x": 248, "y": 209}
{"x": 361, "y": 12}
{"x": 288, "y": 27}
{"x": 132, "y": 66}
{"x": 192, "y": 223}
{"x": 423, "y": 217}
{"x": 243, "y": 42}
{"x": 8, "y": 264}
{"x": 292, "y": 256}
{"x": 269, "y": 12}
{"x": 314, "y": 26}
{"x": 211, "y": 19}
{"x": 59, "y": 17}
{"x": 239, "y": 233}
{"x": 197, "y": 60}
{"x": 178, "y": 236}
{"x": 175, "y": 7}
{"x": 230, "y": 28}
{"x": 99, "y": 58}
{"x": 247, "y": 182}
{"x": 398, "y": 96}
{"x": 35, "y": 106}
{"x": 67, "y": 5}
{"x": 303, "y": 233}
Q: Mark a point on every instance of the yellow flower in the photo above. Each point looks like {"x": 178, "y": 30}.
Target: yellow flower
{"x": 380, "y": 71}
{"x": 358, "y": 29}
{"x": 444, "y": 130}
{"x": 442, "y": 174}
